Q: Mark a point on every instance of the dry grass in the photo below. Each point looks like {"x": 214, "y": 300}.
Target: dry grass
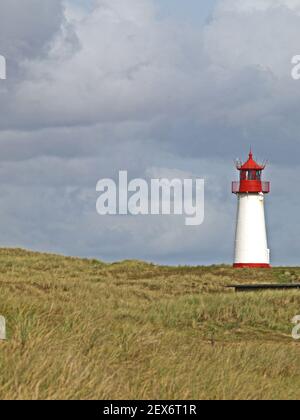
{"x": 80, "y": 329}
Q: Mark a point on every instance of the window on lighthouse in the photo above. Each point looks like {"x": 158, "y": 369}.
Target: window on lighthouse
{"x": 251, "y": 175}
{"x": 244, "y": 176}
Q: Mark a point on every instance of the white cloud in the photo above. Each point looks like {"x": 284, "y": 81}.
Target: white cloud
{"x": 249, "y": 6}
{"x": 117, "y": 63}
{"x": 261, "y": 34}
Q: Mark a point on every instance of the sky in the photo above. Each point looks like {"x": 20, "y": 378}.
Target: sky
{"x": 156, "y": 87}
{"x": 194, "y": 12}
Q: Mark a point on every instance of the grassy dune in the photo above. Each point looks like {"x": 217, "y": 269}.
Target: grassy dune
{"x": 84, "y": 329}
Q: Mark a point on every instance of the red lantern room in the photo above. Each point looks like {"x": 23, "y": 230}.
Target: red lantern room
{"x": 250, "y": 178}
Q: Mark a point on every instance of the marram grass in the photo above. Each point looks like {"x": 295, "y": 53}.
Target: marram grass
{"x": 82, "y": 329}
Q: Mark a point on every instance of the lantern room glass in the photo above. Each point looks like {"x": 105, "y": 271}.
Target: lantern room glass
{"x": 251, "y": 175}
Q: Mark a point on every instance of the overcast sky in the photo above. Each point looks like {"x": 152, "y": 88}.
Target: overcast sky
{"x": 156, "y": 87}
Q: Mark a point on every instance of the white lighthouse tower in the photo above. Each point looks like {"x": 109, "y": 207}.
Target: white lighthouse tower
{"x": 251, "y": 245}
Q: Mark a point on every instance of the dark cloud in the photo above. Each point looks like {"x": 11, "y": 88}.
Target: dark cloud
{"x": 27, "y": 26}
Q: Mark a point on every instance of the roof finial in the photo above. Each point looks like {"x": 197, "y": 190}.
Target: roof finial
{"x": 250, "y": 154}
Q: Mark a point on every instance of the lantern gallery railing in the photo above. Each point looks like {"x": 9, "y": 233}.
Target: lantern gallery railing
{"x": 250, "y": 186}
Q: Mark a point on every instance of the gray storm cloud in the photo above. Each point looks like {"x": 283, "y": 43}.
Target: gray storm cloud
{"x": 26, "y": 27}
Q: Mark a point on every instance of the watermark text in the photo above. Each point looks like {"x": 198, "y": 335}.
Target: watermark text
{"x": 296, "y": 67}
{"x": 296, "y": 329}
{"x": 2, "y": 68}
{"x": 157, "y": 197}
{"x": 2, "y": 328}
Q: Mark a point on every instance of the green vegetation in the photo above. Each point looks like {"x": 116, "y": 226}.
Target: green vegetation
{"x": 84, "y": 329}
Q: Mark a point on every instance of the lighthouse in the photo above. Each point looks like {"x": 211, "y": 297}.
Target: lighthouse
{"x": 251, "y": 244}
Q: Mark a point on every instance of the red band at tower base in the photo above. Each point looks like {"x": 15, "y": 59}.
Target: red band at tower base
{"x": 251, "y": 265}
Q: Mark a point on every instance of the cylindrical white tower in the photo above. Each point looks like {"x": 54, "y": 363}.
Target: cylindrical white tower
{"x": 251, "y": 245}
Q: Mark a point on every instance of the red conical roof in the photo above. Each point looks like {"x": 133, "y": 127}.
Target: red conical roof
{"x": 250, "y": 165}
